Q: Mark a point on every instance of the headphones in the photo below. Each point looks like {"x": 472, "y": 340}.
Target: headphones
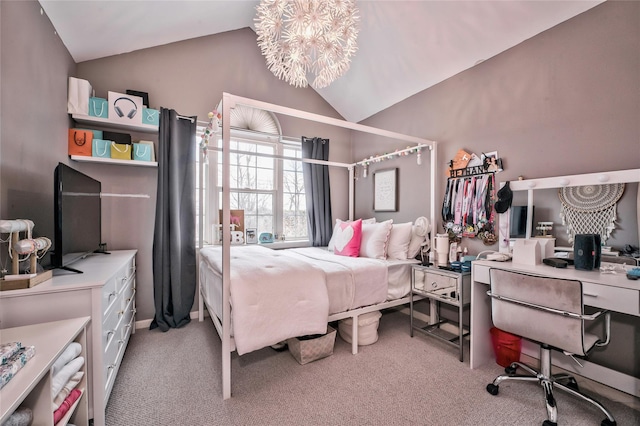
{"x": 118, "y": 111}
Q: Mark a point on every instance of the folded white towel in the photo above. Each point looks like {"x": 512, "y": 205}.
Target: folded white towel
{"x": 70, "y": 352}
{"x": 66, "y": 390}
{"x": 63, "y": 376}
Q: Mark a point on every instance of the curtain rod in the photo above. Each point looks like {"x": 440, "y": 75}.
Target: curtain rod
{"x": 191, "y": 119}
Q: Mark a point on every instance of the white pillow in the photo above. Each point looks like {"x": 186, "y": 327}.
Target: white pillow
{"x": 414, "y": 244}
{"x": 374, "y": 239}
{"x": 399, "y": 241}
{"x": 331, "y": 245}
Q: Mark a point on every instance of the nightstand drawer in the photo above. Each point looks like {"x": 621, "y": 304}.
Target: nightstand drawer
{"x": 428, "y": 281}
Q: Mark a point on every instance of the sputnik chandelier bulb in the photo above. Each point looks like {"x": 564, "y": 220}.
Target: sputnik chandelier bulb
{"x": 306, "y": 38}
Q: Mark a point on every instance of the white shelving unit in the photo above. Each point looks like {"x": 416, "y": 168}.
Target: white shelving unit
{"x": 89, "y": 120}
{"x": 31, "y": 386}
{"x": 105, "y": 122}
{"x": 85, "y": 159}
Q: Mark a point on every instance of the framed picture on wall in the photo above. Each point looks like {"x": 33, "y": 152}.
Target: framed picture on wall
{"x": 385, "y": 190}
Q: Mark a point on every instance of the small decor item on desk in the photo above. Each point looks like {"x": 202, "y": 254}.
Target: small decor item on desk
{"x": 101, "y": 148}
{"x": 120, "y": 151}
{"x": 98, "y": 107}
{"x": 80, "y": 142}
{"x": 117, "y": 137}
{"x": 141, "y": 152}
{"x": 150, "y": 116}
{"x": 125, "y": 108}
{"x": 633, "y": 274}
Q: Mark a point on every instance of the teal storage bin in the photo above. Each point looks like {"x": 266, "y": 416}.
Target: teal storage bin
{"x": 150, "y": 116}
{"x": 101, "y": 148}
{"x": 98, "y": 107}
{"x": 141, "y": 152}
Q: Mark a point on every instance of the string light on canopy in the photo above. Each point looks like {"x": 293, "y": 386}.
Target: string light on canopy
{"x": 306, "y": 38}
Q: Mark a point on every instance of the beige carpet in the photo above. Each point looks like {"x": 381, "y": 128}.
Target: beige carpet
{"x": 173, "y": 378}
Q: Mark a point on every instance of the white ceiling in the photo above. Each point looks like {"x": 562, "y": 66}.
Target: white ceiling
{"x": 404, "y": 46}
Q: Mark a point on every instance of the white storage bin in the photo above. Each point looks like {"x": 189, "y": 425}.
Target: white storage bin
{"x": 367, "y": 328}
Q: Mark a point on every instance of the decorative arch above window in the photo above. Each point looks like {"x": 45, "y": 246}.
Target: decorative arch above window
{"x": 257, "y": 120}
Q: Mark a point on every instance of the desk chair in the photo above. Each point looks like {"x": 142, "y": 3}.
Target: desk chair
{"x": 550, "y": 312}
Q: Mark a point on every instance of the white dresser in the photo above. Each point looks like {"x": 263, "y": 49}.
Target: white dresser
{"x": 105, "y": 291}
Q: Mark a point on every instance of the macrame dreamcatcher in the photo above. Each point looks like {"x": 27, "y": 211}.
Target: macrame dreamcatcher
{"x": 590, "y": 209}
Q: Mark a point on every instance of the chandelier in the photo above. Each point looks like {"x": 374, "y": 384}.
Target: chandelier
{"x": 306, "y": 38}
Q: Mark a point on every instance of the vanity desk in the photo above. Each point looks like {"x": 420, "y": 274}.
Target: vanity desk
{"x": 600, "y": 290}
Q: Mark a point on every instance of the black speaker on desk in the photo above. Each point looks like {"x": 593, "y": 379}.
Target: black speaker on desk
{"x": 586, "y": 251}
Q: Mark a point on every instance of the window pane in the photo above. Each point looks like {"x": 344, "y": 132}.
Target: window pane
{"x": 255, "y": 180}
{"x": 265, "y": 179}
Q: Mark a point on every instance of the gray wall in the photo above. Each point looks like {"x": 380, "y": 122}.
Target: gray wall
{"x": 564, "y": 102}
{"x": 33, "y": 106}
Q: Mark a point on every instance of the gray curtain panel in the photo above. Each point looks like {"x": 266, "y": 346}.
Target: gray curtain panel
{"x": 174, "y": 239}
{"x": 316, "y": 187}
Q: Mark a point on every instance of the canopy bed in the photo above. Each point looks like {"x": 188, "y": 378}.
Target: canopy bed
{"x": 311, "y": 285}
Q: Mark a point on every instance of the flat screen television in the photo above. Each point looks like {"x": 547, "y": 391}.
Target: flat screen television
{"x": 518, "y": 222}
{"x": 77, "y": 216}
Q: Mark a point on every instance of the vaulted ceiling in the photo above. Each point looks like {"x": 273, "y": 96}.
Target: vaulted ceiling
{"x": 404, "y": 47}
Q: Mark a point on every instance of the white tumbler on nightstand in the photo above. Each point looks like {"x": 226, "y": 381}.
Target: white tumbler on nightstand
{"x": 442, "y": 248}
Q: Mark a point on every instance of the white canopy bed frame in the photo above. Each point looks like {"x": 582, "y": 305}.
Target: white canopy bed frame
{"x": 223, "y": 325}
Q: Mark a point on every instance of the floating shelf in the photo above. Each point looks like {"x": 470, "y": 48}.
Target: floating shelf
{"x": 105, "y": 122}
{"x": 86, "y": 159}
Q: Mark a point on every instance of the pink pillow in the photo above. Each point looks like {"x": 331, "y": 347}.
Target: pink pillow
{"x": 347, "y": 238}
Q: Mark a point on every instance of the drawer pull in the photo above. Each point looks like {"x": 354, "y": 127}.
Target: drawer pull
{"x": 109, "y": 333}
{"x": 113, "y": 293}
{"x": 111, "y": 366}
{"x": 590, "y": 294}
{"x": 434, "y": 284}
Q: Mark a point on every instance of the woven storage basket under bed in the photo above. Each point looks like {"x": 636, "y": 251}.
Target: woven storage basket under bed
{"x": 305, "y": 351}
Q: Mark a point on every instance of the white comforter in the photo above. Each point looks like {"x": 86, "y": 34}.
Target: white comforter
{"x": 352, "y": 282}
{"x": 273, "y": 296}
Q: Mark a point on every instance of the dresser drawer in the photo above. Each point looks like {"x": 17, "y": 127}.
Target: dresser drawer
{"x": 128, "y": 320}
{"x": 614, "y": 298}
{"x": 109, "y": 296}
{"x": 125, "y": 274}
{"x": 110, "y": 362}
{"x": 110, "y": 328}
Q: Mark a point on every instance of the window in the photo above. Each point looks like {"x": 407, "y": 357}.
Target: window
{"x": 266, "y": 182}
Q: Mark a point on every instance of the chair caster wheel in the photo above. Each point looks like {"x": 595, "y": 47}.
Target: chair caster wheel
{"x": 607, "y": 422}
{"x": 492, "y": 389}
{"x": 549, "y": 423}
{"x": 510, "y": 370}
